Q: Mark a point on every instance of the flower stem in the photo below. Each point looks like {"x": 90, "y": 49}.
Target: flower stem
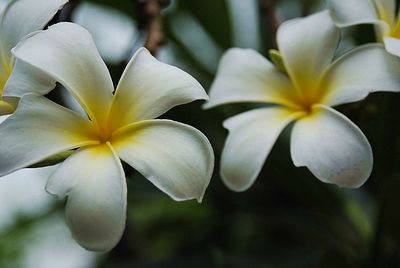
{"x": 271, "y": 21}
{"x": 151, "y": 17}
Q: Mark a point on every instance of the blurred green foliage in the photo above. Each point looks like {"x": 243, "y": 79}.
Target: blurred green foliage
{"x": 287, "y": 218}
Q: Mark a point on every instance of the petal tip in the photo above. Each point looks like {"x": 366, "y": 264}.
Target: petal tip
{"x": 52, "y": 192}
{"x": 94, "y": 248}
{"x": 235, "y": 184}
{"x": 200, "y": 199}
{"x": 208, "y": 105}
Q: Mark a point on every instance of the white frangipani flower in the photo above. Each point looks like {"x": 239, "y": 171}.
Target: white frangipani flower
{"x": 322, "y": 139}
{"x": 381, "y": 13}
{"x": 18, "y": 19}
{"x": 175, "y": 157}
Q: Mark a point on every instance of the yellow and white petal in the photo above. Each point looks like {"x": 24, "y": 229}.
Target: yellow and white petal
{"x": 22, "y": 17}
{"x": 332, "y": 147}
{"x": 246, "y": 76}
{"x": 25, "y": 79}
{"x": 39, "y": 129}
{"x": 365, "y": 69}
{"x": 353, "y": 12}
{"x": 392, "y": 45}
{"x": 4, "y": 74}
{"x": 94, "y": 181}
{"x": 8, "y": 105}
{"x": 251, "y": 137}
{"x": 307, "y": 46}
{"x": 175, "y": 157}
{"x": 148, "y": 88}
{"x": 67, "y": 53}
{"x": 386, "y": 10}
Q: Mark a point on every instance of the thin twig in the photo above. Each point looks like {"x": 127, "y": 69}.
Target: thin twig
{"x": 152, "y": 21}
{"x": 271, "y": 20}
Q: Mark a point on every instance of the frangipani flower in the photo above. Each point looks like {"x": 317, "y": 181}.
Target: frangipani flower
{"x": 322, "y": 139}
{"x": 175, "y": 157}
{"x": 381, "y": 13}
{"x": 18, "y": 19}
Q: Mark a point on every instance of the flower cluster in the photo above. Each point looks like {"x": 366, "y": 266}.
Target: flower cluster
{"x": 300, "y": 86}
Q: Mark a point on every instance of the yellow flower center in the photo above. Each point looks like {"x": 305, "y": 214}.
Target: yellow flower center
{"x": 7, "y": 104}
{"x": 108, "y": 133}
{"x": 395, "y": 31}
{"x": 104, "y": 135}
{"x": 392, "y": 21}
{"x": 4, "y": 77}
{"x": 306, "y": 99}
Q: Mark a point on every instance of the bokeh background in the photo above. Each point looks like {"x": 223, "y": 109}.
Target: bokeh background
{"x": 286, "y": 219}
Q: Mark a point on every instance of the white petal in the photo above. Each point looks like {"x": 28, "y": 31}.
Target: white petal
{"x": 3, "y": 118}
{"x": 22, "y": 17}
{"x": 94, "y": 181}
{"x": 25, "y": 79}
{"x": 386, "y": 10}
{"x": 353, "y": 12}
{"x": 148, "y": 88}
{"x": 38, "y": 129}
{"x": 392, "y": 45}
{"x": 307, "y": 46}
{"x": 332, "y": 147}
{"x": 251, "y": 137}
{"x": 175, "y": 157}
{"x": 246, "y": 76}
{"x": 66, "y": 52}
{"x": 366, "y": 69}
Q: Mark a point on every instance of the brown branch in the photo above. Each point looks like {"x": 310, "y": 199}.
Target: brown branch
{"x": 271, "y": 21}
{"x": 153, "y": 22}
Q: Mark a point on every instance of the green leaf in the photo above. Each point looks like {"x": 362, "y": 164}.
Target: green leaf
{"x": 213, "y": 16}
{"x": 276, "y": 58}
